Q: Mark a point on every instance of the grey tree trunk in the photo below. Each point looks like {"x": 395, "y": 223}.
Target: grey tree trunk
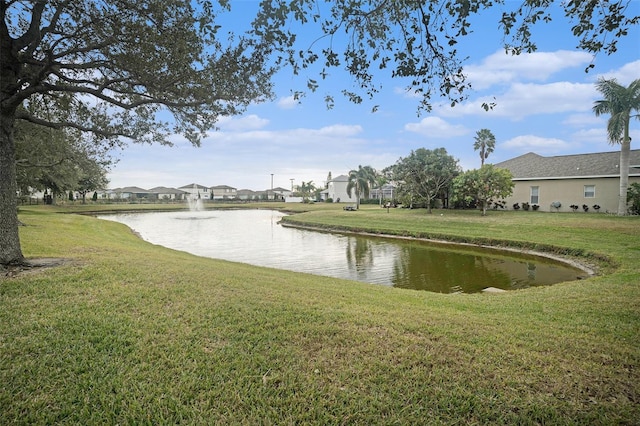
{"x": 10, "y": 251}
{"x": 624, "y": 172}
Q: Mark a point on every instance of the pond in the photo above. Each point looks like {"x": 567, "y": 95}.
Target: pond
{"x": 256, "y": 237}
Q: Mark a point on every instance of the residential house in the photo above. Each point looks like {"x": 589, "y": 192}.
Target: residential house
{"x": 581, "y": 180}
{"x": 281, "y": 193}
{"x": 337, "y": 190}
{"x": 132, "y": 193}
{"x": 196, "y": 192}
{"x": 386, "y": 192}
{"x": 223, "y": 192}
{"x": 108, "y": 194}
{"x": 248, "y": 195}
{"x": 164, "y": 193}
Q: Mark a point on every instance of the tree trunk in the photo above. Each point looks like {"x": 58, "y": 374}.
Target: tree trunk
{"x": 624, "y": 172}
{"x": 10, "y": 252}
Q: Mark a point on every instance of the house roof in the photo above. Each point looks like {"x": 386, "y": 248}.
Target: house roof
{"x": 193, "y": 185}
{"x": 222, "y": 187}
{"x": 599, "y": 164}
{"x": 134, "y": 190}
{"x": 165, "y": 190}
{"x": 341, "y": 178}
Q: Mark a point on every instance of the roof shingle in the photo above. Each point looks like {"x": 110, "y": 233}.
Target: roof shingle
{"x": 600, "y": 164}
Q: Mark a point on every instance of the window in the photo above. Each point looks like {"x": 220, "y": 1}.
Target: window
{"x": 589, "y": 191}
{"x": 535, "y": 192}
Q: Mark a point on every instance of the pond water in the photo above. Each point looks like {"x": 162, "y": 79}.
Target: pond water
{"x": 256, "y": 237}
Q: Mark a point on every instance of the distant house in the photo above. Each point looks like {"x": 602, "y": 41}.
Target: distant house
{"x": 386, "y": 192}
{"x": 281, "y": 192}
{"x": 223, "y": 192}
{"x": 107, "y": 194}
{"x": 337, "y": 190}
{"x": 581, "y": 179}
{"x": 248, "y": 194}
{"x": 164, "y": 193}
{"x": 132, "y": 193}
{"x": 195, "y": 191}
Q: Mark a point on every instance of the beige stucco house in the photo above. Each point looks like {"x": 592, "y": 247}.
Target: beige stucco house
{"x": 581, "y": 179}
{"x": 164, "y": 193}
{"x": 195, "y": 191}
{"x": 223, "y": 192}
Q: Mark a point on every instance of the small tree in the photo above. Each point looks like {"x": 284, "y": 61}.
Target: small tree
{"x": 425, "y": 174}
{"x": 483, "y": 185}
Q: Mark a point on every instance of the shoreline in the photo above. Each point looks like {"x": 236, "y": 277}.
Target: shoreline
{"x": 589, "y": 270}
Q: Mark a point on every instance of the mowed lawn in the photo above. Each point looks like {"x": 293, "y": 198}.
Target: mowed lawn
{"x": 125, "y": 332}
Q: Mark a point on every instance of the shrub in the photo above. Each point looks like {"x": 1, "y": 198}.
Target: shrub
{"x": 574, "y": 207}
{"x": 633, "y": 196}
{"x": 525, "y": 206}
{"x": 516, "y": 206}
{"x": 585, "y": 207}
{"x": 535, "y": 207}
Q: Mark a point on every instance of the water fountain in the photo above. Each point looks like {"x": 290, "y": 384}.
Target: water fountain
{"x": 194, "y": 201}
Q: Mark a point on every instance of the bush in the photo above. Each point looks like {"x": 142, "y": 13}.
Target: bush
{"x": 633, "y": 197}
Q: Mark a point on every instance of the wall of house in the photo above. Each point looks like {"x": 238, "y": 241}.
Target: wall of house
{"x": 338, "y": 190}
{"x": 223, "y": 193}
{"x": 568, "y": 192}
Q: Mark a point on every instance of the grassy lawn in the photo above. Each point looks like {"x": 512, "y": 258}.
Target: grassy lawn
{"x": 131, "y": 333}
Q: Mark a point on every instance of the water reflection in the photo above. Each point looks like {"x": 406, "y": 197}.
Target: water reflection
{"x": 255, "y": 237}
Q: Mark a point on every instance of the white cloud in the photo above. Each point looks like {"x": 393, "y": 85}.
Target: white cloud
{"x": 436, "y": 127}
{"x": 500, "y": 68}
{"x": 626, "y": 74}
{"x": 539, "y": 145}
{"x": 340, "y": 130}
{"x": 525, "y": 99}
{"x": 288, "y": 102}
{"x": 242, "y": 123}
{"x": 580, "y": 120}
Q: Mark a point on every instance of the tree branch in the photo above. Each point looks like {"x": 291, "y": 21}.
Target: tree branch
{"x": 23, "y": 115}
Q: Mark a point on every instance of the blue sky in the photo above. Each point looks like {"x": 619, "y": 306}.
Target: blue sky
{"x": 544, "y": 103}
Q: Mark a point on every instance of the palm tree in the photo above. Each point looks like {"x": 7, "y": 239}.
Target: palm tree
{"x": 361, "y": 180}
{"x": 306, "y": 188}
{"x": 485, "y": 141}
{"x": 619, "y": 101}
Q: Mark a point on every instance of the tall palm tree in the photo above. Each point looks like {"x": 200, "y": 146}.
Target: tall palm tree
{"x": 619, "y": 101}
{"x": 361, "y": 180}
{"x": 485, "y": 142}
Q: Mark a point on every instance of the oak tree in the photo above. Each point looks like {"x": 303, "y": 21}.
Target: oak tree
{"x": 118, "y": 70}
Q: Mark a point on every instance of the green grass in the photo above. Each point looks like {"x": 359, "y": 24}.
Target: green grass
{"x": 132, "y": 333}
